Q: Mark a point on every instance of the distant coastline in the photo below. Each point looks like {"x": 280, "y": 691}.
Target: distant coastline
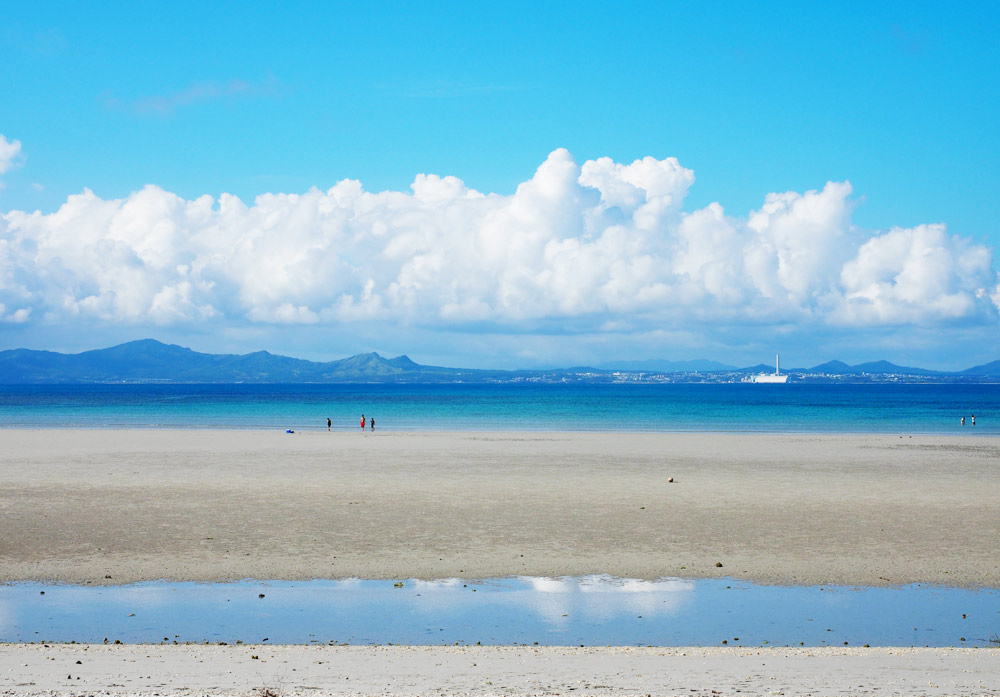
{"x": 149, "y": 361}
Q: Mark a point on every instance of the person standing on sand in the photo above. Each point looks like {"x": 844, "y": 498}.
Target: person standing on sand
{"x": 373, "y": 423}
{"x": 328, "y": 423}
{"x": 362, "y": 422}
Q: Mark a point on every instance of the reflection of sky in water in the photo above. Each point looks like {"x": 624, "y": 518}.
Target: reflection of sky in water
{"x": 593, "y": 610}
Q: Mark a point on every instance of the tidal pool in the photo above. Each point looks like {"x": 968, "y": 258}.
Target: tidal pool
{"x": 590, "y": 611}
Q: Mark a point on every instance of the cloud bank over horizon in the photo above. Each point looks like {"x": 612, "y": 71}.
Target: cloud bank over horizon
{"x": 601, "y": 247}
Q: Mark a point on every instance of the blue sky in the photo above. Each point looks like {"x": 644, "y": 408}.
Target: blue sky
{"x": 149, "y": 106}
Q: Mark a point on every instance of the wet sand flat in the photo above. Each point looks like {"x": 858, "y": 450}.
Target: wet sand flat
{"x": 104, "y": 506}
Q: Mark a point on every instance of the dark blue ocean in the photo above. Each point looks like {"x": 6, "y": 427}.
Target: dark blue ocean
{"x": 741, "y": 407}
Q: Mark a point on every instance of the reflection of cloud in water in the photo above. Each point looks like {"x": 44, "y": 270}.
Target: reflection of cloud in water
{"x": 192, "y": 609}
{"x": 589, "y": 597}
{"x": 549, "y": 585}
{"x": 437, "y": 585}
{"x": 603, "y": 597}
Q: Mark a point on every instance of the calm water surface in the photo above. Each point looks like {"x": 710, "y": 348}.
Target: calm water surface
{"x": 592, "y": 611}
{"x": 879, "y": 408}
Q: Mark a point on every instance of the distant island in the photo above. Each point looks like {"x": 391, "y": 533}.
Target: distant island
{"x": 151, "y": 361}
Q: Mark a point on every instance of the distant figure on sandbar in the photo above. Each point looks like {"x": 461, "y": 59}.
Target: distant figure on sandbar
{"x": 373, "y": 423}
{"x": 330, "y": 423}
{"x": 973, "y": 419}
{"x": 963, "y": 420}
{"x": 362, "y": 422}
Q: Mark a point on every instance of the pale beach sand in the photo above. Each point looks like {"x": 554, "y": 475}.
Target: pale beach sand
{"x": 84, "y": 505}
{"x": 391, "y": 670}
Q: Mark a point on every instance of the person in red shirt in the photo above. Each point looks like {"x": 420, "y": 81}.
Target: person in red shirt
{"x": 362, "y": 422}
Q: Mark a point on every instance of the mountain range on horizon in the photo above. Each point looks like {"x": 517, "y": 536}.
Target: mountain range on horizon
{"x": 149, "y": 360}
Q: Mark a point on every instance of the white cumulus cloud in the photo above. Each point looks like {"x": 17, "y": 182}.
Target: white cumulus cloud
{"x": 9, "y": 152}
{"x": 576, "y": 248}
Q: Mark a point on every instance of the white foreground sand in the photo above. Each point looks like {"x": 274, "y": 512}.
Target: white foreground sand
{"x": 295, "y": 670}
{"x": 120, "y": 506}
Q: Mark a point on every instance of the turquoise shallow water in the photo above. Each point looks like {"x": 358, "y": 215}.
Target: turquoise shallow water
{"x": 872, "y": 408}
{"x": 592, "y": 611}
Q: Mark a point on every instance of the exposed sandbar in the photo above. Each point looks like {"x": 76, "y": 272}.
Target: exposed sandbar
{"x": 105, "y": 506}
